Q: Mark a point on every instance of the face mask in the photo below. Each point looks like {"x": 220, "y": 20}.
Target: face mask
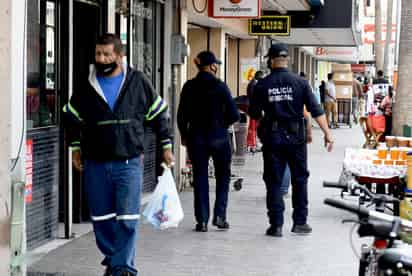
{"x": 105, "y": 69}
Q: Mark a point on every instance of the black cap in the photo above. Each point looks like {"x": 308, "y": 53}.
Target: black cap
{"x": 206, "y": 58}
{"x": 278, "y": 50}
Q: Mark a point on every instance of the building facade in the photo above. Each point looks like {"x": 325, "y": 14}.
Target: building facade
{"x": 52, "y": 48}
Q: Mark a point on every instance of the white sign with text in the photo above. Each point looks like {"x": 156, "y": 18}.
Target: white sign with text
{"x": 234, "y": 8}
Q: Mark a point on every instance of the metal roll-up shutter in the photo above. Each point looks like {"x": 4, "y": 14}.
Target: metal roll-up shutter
{"x": 42, "y": 211}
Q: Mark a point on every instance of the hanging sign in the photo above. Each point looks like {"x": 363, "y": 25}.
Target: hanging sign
{"x": 270, "y": 25}
{"x": 234, "y": 8}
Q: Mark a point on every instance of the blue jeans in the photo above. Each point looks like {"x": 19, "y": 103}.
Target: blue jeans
{"x": 113, "y": 193}
{"x": 284, "y": 188}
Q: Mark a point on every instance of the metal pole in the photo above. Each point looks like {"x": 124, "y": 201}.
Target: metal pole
{"x": 378, "y": 35}
{"x": 398, "y": 30}
{"x": 388, "y": 42}
{"x": 68, "y": 232}
{"x": 5, "y": 102}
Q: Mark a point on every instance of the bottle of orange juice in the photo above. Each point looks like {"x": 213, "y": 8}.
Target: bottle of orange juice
{"x": 409, "y": 172}
{"x": 382, "y": 152}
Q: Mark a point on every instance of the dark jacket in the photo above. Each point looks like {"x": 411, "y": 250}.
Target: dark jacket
{"x": 280, "y": 99}
{"x": 206, "y": 107}
{"x": 251, "y": 85}
{"x": 103, "y": 134}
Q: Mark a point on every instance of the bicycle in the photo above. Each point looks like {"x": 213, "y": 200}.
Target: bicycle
{"x": 393, "y": 257}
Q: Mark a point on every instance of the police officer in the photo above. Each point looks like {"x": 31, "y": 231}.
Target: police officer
{"x": 205, "y": 112}
{"x": 278, "y": 101}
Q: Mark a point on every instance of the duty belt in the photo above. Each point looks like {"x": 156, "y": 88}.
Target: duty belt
{"x": 293, "y": 126}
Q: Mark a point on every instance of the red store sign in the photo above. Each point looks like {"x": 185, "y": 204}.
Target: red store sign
{"x": 28, "y": 193}
{"x": 234, "y": 8}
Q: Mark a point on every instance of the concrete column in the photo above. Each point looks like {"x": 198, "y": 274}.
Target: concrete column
{"x": 217, "y": 46}
{"x": 378, "y": 35}
{"x": 5, "y": 111}
{"x": 403, "y": 107}
{"x": 388, "y": 48}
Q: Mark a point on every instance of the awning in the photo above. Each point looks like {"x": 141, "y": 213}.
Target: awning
{"x": 334, "y": 24}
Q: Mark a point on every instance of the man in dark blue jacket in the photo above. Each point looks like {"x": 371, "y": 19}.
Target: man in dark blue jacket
{"x": 278, "y": 100}
{"x": 205, "y": 112}
{"x": 105, "y": 126}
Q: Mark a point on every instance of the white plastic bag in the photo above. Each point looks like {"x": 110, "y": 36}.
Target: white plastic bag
{"x": 164, "y": 209}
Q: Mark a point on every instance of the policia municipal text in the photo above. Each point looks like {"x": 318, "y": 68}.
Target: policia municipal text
{"x": 105, "y": 122}
{"x": 279, "y": 100}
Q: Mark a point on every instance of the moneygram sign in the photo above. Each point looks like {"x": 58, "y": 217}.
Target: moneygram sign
{"x": 234, "y": 8}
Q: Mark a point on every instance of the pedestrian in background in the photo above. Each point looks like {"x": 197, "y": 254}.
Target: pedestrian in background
{"x": 386, "y": 106}
{"x": 356, "y": 95}
{"x": 331, "y": 102}
{"x": 205, "y": 112}
{"x": 380, "y": 78}
{"x": 104, "y": 124}
{"x": 251, "y": 133}
{"x": 279, "y": 100}
{"x": 322, "y": 89}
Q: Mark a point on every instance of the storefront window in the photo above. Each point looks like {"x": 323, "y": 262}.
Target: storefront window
{"x": 146, "y": 37}
{"x": 41, "y": 64}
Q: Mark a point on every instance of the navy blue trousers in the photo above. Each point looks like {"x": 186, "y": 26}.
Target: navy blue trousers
{"x": 113, "y": 194}
{"x": 201, "y": 149}
{"x": 276, "y": 158}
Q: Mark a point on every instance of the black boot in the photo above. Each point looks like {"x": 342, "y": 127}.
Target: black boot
{"x": 274, "y": 231}
{"x": 302, "y": 229}
{"x": 201, "y": 227}
{"x": 220, "y": 223}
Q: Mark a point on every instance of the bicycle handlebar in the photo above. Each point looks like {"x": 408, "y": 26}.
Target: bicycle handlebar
{"x": 355, "y": 186}
{"x": 327, "y": 184}
{"x": 363, "y": 211}
{"x": 340, "y": 204}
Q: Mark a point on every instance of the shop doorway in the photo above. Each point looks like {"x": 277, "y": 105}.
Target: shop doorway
{"x": 87, "y": 26}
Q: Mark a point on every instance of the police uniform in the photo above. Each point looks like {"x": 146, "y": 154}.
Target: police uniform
{"x": 205, "y": 112}
{"x": 280, "y": 99}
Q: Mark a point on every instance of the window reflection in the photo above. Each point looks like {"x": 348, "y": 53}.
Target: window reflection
{"x": 41, "y": 63}
{"x": 143, "y": 35}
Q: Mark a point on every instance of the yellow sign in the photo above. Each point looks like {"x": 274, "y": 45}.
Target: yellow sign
{"x": 270, "y": 25}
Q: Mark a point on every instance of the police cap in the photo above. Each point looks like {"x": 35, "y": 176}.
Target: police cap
{"x": 206, "y": 58}
{"x": 278, "y": 50}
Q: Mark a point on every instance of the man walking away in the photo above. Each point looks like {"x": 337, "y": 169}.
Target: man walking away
{"x": 279, "y": 100}
{"x": 331, "y": 102}
{"x": 205, "y": 112}
{"x": 104, "y": 123}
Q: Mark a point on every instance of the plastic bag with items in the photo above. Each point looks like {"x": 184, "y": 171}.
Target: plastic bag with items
{"x": 164, "y": 209}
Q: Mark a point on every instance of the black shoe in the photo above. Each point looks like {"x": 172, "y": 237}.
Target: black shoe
{"x": 220, "y": 223}
{"x": 302, "y": 229}
{"x": 107, "y": 271}
{"x": 274, "y": 231}
{"x": 201, "y": 227}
